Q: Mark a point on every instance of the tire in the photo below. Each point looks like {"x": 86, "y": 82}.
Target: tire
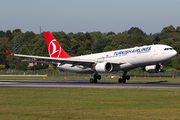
{"x": 99, "y": 77}
{"x": 128, "y": 77}
{"x": 91, "y": 80}
{"x": 95, "y": 80}
{"x": 124, "y": 80}
{"x": 120, "y": 80}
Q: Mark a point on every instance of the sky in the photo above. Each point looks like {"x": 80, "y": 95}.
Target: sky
{"x": 151, "y": 16}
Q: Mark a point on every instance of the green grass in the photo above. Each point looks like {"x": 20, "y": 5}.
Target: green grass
{"x": 86, "y": 103}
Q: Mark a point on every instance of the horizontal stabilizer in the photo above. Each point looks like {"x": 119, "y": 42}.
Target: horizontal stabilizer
{"x": 7, "y": 52}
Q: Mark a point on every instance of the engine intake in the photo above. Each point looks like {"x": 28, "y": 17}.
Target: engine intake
{"x": 104, "y": 67}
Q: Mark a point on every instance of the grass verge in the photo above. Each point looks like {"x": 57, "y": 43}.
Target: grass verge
{"x": 86, "y": 103}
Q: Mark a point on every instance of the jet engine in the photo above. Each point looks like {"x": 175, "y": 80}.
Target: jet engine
{"x": 103, "y": 67}
{"x": 154, "y": 68}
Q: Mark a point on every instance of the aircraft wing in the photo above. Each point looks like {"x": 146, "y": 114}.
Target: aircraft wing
{"x": 72, "y": 60}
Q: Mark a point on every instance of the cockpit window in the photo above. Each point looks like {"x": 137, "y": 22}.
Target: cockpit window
{"x": 168, "y": 49}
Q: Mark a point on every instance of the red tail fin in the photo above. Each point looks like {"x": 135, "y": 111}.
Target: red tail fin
{"x": 54, "y": 48}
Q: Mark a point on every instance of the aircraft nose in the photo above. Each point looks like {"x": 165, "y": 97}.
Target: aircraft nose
{"x": 174, "y": 53}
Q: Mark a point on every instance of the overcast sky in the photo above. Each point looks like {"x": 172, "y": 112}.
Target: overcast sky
{"x": 89, "y": 15}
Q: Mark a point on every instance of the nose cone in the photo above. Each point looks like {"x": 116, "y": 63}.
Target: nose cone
{"x": 173, "y": 53}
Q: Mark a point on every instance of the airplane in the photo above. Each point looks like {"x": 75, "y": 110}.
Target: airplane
{"x": 149, "y": 57}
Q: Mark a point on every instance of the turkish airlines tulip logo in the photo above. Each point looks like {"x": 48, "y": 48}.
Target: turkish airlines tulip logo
{"x": 54, "y": 49}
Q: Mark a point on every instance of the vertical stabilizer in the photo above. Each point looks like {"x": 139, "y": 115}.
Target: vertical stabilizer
{"x": 54, "y": 48}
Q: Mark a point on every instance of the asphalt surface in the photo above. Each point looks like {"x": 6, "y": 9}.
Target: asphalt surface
{"x": 83, "y": 84}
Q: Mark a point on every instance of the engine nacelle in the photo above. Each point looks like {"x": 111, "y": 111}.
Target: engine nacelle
{"x": 104, "y": 67}
{"x": 154, "y": 68}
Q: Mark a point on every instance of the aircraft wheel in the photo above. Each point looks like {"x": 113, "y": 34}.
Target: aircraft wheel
{"x": 124, "y": 80}
{"x": 120, "y": 80}
{"x": 99, "y": 77}
{"x": 95, "y": 80}
{"x": 91, "y": 80}
{"x": 128, "y": 77}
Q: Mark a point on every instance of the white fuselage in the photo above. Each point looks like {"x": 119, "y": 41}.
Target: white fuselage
{"x": 130, "y": 58}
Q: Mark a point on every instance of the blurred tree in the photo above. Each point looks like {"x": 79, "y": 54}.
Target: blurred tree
{"x": 96, "y": 36}
{"x": 18, "y": 66}
{"x": 82, "y": 38}
{"x": 2, "y": 33}
{"x": 12, "y": 66}
{"x": 176, "y": 37}
{"x": 77, "y": 35}
{"x": 168, "y": 29}
{"x": 9, "y": 35}
{"x": 11, "y": 59}
{"x": 102, "y": 43}
{"x": 45, "y": 66}
{"x": 2, "y": 67}
{"x": 176, "y": 46}
{"x": 139, "y": 40}
{"x": 178, "y": 29}
{"x": 167, "y": 32}
{"x": 4, "y": 44}
{"x": 149, "y": 40}
{"x": 24, "y": 50}
{"x": 166, "y": 42}
{"x": 122, "y": 38}
{"x": 74, "y": 47}
{"x": 156, "y": 40}
{"x": 57, "y": 35}
{"x": 40, "y": 47}
{"x": 107, "y": 48}
{"x": 136, "y": 30}
{"x": 17, "y": 31}
{"x": 28, "y": 36}
{"x": 24, "y": 66}
{"x": 70, "y": 34}
{"x": 66, "y": 44}
{"x": 124, "y": 46}
{"x": 110, "y": 33}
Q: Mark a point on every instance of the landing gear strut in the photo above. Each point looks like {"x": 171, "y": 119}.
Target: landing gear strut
{"x": 124, "y": 78}
{"x": 96, "y": 78}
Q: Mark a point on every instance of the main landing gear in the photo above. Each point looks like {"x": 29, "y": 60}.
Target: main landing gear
{"x": 120, "y": 80}
{"x": 96, "y": 78}
{"x": 124, "y": 78}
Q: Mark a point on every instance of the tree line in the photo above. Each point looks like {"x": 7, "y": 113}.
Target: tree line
{"x": 80, "y": 43}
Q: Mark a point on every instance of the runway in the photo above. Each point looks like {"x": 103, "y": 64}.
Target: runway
{"x": 83, "y": 84}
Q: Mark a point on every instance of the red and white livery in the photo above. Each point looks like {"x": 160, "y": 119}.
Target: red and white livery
{"x": 149, "y": 57}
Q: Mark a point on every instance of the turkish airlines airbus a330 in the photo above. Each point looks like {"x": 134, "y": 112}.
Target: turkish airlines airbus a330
{"x": 148, "y": 57}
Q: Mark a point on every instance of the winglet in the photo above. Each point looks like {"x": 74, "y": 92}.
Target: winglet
{"x": 7, "y": 52}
